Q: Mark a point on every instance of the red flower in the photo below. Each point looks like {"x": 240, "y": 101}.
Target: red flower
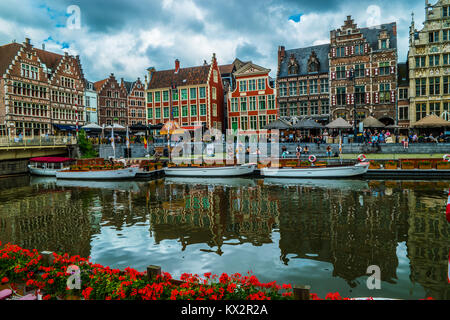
{"x": 224, "y": 278}
{"x": 333, "y": 296}
{"x": 50, "y": 281}
{"x": 231, "y": 287}
{"x": 47, "y": 297}
{"x": 87, "y": 292}
{"x": 5, "y": 279}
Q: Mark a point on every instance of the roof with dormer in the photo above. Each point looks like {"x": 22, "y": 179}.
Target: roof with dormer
{"x": 302, "y": 56}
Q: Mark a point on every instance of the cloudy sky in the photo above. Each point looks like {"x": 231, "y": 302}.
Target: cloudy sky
{"x": 128, "y": 36}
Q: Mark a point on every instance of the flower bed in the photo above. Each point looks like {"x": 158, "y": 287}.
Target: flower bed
{"x": 24, "y": 266}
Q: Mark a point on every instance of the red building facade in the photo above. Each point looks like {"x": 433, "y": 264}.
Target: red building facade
{"x": 191, "y": 96}
{"x": 252, "y": 105}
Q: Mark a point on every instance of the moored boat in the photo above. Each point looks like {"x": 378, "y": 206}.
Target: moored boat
{"x": 113, "y": 174}
{"x": 213, "y": 171}
{"x": 48, "y": 166}
{"x": 333, "y": 171}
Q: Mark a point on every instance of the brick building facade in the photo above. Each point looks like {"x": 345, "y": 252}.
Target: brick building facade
{"x": 41, "y": 92}
{"x": 372, "y": 55}
{"x": 136, "y": 102}
{"x": 112, "y": 102}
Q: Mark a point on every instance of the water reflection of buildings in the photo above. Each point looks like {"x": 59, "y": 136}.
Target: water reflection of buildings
{"x": 348, "y": 229}
{"x": 46, "y": 220}
{"x": 428, "y": 240}
{"x": 215, "y": 216}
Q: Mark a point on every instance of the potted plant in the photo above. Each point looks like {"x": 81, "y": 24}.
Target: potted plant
{"x": 443, "y": 165}
{"x": 391, "y": 165}
{"x": 374, "y": 165}
{"x": 425, "y": 164}
{"x": 407, "y": 165}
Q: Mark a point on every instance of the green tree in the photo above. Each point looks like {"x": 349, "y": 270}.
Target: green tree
{"x": 86, "y": 148}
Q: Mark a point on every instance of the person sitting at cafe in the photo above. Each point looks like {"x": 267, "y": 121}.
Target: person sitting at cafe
{"x": 431, "y": 138}
{"x": 329, "y": 152}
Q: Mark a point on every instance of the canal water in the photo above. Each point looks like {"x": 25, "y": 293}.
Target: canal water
{"x": 321, "y": 233}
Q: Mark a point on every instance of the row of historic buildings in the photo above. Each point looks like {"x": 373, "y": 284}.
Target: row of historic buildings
{"x": 354, "y": 76}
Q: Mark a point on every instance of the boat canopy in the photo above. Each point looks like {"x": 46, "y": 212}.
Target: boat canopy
{"x": 51, "y": 159}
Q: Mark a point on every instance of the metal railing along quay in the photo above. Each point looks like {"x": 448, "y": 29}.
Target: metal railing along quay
{"x": 6, "y": 142}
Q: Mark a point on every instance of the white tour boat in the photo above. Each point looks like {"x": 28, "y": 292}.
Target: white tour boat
{"x": 116, "y": 174}
{"x": 337, "y": 171}
{"x": 48, "y": 166}
{"x": 224, "y": 171}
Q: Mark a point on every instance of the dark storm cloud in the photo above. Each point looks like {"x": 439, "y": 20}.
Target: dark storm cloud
{"x": 259, "y": 26}
{"x": 247, "y": 52}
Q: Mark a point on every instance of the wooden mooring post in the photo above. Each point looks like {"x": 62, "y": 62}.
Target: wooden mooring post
{"x": 153, "y": 272}
{"x": 47, "y": 257}
{"x": 301, "y": 292}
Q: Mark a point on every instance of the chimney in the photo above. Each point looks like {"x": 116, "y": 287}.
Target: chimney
{"x": 177, "y": 66}
{"x": 27, "y": 41}
{"x": 281, "y": 54}
{"x": 151, "y": 72}
{"x": 43, "y": 46}
{"x": 205, "y": 63}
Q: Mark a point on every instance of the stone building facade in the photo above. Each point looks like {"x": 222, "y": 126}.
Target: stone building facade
{"x": 112, "y": 102}
{"x": 303, "y": 83}
{"x": 372, "y": 55}
{"x": 90, "y": 102}
{"x": 429, "y": 63}
{"x": 41, "y": 92}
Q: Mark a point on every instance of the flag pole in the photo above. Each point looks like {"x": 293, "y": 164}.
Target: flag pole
{"x": 128, "y": 144}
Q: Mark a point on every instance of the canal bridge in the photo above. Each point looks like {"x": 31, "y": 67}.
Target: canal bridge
{"x": 15, "y": 152}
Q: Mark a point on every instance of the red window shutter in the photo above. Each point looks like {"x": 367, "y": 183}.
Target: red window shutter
{"x": 346, "y": 51}
{"x": 392, "y": 69}
{"x": 333, "y": 52}
{"x": 333, "y": 76}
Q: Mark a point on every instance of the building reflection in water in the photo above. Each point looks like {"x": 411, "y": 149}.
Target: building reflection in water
{"x": 349, "y": 224}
